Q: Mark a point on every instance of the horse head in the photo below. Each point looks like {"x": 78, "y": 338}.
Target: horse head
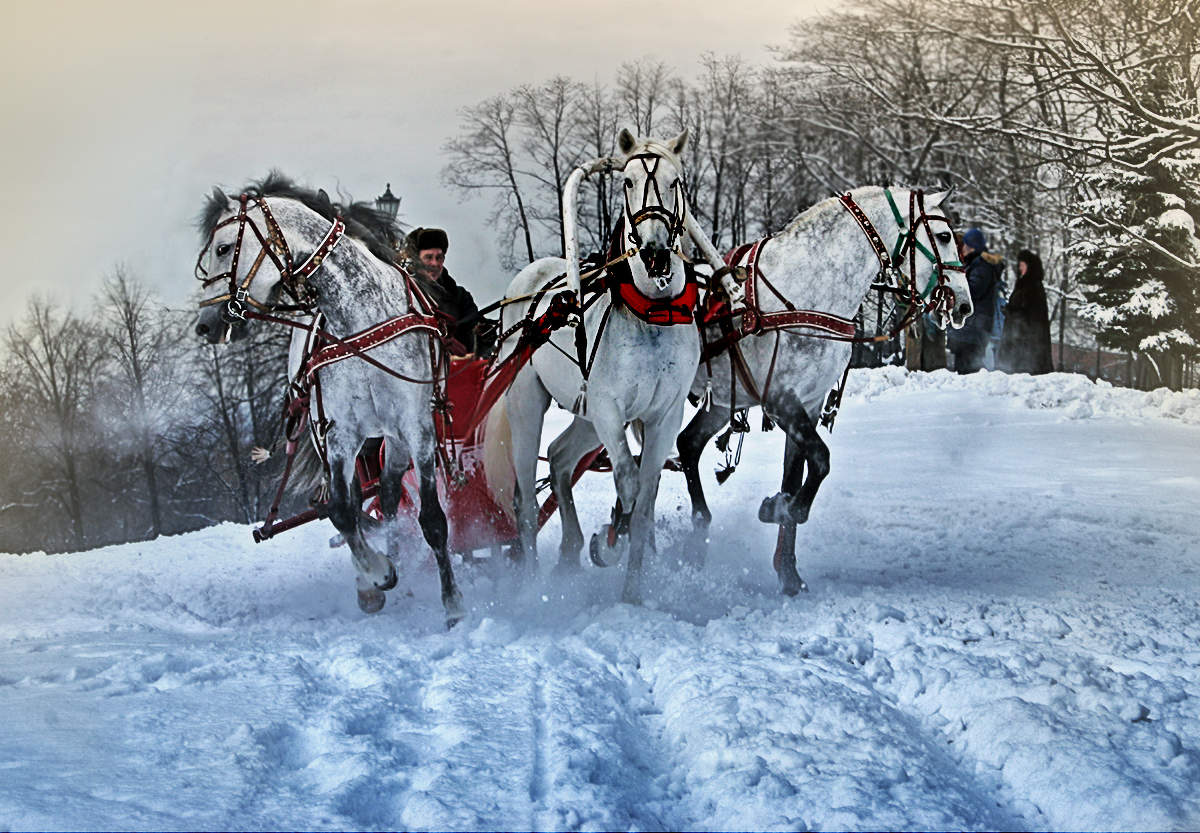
{"x": 243, "y": 262}
{"x": 938, "y": 273}
{"x": 655, "y": 209}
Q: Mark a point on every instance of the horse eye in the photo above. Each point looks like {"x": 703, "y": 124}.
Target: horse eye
{"x": 223, "y": 249}
{"x": 628, "y": 182}
{"x": 944, "y": 237}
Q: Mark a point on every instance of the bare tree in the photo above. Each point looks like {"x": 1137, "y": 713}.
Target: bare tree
{"x": 484, "y": 158}
{"x": 643, "y": 88}
{"x": 549, "y": 115}
{"x": 141, "y": 340}
{"x": 1094, "y": 56}
{"x": 597, "y": 120}
{"x": 56, "y": 358}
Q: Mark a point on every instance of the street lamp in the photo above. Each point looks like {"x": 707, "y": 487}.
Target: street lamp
{"x": 388, "y": 203}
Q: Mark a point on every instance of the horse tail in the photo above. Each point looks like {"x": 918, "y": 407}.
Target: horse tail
{"x": 308, "y": 469}
{"x": 498, "y": 469}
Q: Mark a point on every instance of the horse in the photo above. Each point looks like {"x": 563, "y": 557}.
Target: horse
{"x": 371, "y": 315}
{"x": 804, "y": 286}
{"x": 631, "y": 364}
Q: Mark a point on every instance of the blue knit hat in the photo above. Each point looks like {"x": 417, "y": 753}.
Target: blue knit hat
{"x": 975, "y": 239}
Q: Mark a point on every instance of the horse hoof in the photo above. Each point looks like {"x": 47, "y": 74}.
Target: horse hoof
{"x": 371, "y": 601}
{"x": 390, "y": 582}
{"x": 632, "y": 593}
{"x": 795, "y": 587}
{"x": 568, "y": 567}
{"x": 606, "y": 548}
{"x": 454, "y": 610}
{"x": 774, "y": 509}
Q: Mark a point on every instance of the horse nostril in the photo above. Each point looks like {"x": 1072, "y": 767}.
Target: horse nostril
{"x": 964, "y": 308}
{"x": 201, "y": 329}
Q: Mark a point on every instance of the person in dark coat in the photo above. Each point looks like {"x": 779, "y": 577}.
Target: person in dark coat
{"x": 969, "y": 344}
{"x": 1025, "y": 344}
{"x": 424, "y": 256}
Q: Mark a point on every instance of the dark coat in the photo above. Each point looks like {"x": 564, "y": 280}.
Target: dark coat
{"x": 456, "y": 304}
{"x": 983, "y": 277}
{"x": 1025, "y": 344}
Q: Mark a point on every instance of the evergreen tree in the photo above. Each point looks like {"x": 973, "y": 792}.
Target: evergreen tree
{"x": 1140, "y": 254}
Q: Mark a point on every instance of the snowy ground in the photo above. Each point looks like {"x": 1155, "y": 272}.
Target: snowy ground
{"x": 1003, "y": 632}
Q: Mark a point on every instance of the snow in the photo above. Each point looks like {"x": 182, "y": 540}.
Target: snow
{"x": 1003, "y": 632}
{"x": 1177, "y": 219}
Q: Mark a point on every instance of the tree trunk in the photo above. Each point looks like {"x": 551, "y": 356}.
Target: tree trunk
{"x": 151, "y": 476}
{"x": 74, "y": 502}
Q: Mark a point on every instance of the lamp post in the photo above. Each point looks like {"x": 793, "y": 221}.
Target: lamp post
{"x": 388, "y": 203}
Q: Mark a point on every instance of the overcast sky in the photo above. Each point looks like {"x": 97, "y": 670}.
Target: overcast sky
{"x": 120, "y": 116}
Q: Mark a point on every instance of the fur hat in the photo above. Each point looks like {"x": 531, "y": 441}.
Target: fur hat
{"x": 974, "y": 238}
{"x": 420, "y": 239}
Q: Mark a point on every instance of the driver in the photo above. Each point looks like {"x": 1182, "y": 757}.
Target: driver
{"x": 424, "y": 255}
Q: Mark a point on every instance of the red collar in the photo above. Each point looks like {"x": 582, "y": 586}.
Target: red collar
{"x": 661, "y": 311}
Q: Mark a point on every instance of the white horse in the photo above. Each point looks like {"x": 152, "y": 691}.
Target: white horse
{"x": 637, "y": 370}
{"x": 823, "y": 262}
{"x": 815, "y": 273}
{"x": 346, "y": 276}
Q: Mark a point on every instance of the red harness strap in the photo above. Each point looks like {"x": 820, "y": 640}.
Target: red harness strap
{"x": 663, "y": 312}
{"x": 755, "y": 321}
{"x": 369, "y": 339}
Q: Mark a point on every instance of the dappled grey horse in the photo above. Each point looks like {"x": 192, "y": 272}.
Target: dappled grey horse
{"x": 343, "y": 271}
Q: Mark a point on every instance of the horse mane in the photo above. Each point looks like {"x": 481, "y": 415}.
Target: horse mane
{"x": 860, "y": 193}
{"x": 371, "y": 227}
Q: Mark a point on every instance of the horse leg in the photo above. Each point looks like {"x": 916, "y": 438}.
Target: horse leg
{"x": 526, "y": 401}
{"x": 657, "y": 439}
{"x": 433, "y": 526}
{"x": 785, "y": 548}
{"x": 375, "y": 572}
{"x": 691, "y": 442}
{"x": 799, "y": 489}
{"x": 396, "y": 462}
{"x": 609, "y": 426}
{"x": 806, "y": 463}
{"x": 567, "y": 450}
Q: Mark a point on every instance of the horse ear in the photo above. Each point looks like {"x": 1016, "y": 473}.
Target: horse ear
{"x": 218, "y": 196}
{"x": 679, "y": 142}
{"x": 626, "y": 140}
{"x": 934, "y": 200}
{"x": 323, "y": 198}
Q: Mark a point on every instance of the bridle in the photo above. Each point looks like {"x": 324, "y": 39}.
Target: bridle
{"x": 937, "y": 295}
{"x": 656, "y": 258}
{"x": 272, "y": 244}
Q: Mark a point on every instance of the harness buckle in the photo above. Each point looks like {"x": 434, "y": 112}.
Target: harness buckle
{"x": 234, "y": 310}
